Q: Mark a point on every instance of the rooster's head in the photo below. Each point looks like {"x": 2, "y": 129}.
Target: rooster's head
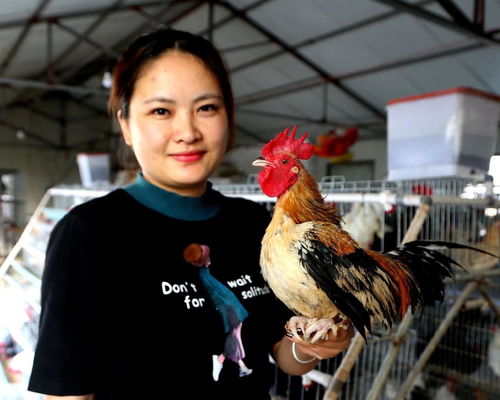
{"x": 280, "y": 162}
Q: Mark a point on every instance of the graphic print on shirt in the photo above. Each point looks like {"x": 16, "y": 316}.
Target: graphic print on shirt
{"x": 227, "y": 304}
{"x": 188, "y": 290}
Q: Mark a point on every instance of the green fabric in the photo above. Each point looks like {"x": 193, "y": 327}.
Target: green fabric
{"x": 174, "y": 205}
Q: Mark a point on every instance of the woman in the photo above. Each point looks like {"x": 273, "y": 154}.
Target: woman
{"x": 125, "y": 312}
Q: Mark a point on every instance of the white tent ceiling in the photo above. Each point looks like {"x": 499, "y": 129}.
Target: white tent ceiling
{"x": 316, "y": 63}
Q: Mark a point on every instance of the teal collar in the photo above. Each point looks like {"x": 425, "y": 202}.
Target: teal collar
{"x": 174, "y": 205}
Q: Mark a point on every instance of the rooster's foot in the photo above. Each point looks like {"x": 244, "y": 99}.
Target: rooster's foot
{"x": 313, "y": 329}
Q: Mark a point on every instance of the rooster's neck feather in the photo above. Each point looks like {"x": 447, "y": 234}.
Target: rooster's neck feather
{"x": 303, "y": 202}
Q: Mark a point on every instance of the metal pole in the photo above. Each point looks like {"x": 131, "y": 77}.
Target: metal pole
{"x": 491, "y": 302}
{"x": 443, "y": 327}
{"x": 79, "y": 90}
{"x": 391, "y": 356}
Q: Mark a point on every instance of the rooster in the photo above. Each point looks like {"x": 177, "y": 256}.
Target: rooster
{"x": 319, "y": 271}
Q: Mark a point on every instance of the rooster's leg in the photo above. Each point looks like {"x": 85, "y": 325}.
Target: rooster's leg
{"x": 313, "y": 329}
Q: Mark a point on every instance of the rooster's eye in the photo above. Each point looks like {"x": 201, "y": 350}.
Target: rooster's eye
{"x": 284, "y": 161}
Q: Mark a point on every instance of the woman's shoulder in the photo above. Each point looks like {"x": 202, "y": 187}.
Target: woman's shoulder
{"x": 111, "y": 203}
{"x": 242, "y": 205}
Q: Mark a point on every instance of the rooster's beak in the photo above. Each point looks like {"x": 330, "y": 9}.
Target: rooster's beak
{"x": 260, "y": 162}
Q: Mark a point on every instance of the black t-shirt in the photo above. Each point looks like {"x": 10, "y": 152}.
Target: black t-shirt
{"x": 124, "y": 316}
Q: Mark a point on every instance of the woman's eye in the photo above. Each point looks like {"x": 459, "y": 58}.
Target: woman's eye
{"x": 160, "y": 111}
{"x": 208, "y": 107}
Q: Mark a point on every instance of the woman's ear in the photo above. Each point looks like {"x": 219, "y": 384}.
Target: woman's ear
{"x": 124, "y": 128}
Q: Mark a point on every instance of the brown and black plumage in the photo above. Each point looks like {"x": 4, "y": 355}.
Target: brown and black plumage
{"x": 320, "y": 272}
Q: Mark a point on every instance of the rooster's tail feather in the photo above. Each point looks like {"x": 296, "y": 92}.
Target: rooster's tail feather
{"x": 429, "y": 267}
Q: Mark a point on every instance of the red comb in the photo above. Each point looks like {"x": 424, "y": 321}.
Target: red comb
{"x": 284, "y": 143}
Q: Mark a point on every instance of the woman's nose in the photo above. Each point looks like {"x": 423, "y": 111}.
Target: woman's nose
{"x": 185, "y": 129}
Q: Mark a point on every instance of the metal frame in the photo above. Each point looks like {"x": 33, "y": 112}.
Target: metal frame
{"x": 465, "y": 28}
{"x": 68, "y": 81}
{"x": 325, "y": 76}
{"x": 22, "y": 36}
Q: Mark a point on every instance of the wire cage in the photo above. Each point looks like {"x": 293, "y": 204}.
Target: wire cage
{"x": 460, "y": 364}
{"x": 464, "y": 362}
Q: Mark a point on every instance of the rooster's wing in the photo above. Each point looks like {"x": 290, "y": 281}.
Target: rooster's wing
{"x": 352, "y": 279}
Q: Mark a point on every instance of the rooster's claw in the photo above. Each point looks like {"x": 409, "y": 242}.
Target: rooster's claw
{"x": 312, "y": 329}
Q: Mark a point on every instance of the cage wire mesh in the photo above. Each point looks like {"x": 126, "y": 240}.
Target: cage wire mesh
{"x": 464, "y": 363}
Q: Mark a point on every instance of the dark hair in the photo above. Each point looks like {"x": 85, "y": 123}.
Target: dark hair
{"x": 147, "y": 48}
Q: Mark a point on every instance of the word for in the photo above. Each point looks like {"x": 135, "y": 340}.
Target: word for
{"x": 195, "y": 302}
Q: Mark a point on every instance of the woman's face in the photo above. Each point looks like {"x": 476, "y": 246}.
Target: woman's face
{"x": 177, "y": 124}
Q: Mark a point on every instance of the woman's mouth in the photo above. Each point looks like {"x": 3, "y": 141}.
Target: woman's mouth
{"x": 188, "y": 156}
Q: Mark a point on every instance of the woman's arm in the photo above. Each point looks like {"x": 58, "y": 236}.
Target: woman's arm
{"x": 322, "y": 349}
{"x": 84, "y": 397}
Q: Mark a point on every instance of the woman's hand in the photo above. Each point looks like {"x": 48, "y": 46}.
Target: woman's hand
{"x": 309, "y": 353}
{"x": 324, "y": 349}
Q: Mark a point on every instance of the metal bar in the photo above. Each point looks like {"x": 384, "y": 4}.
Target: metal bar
{"x": 292, "y": 51}
{"x": 71, "y": 73}
{"x": 241, "y": 47}
{"x": 21, "y": 292}
{"x": 479, "y": 13}
{"x": 491, "y": 302}
{"x": 280, "y": 90}
{"x": 210, "y": 22}
{"x": 26, "y": 83}
{"x": 325, "y": 103}
{"x": 438, "y": 52}
{"x": 441, "y": 51}
{"x": 50, "y": 71}
{"x": 71, "y": 192}
{"x": 32, "y": 135}
{"x": 141, "y": 11}
{"x": 28, "y": 275}
{"x": 438, "y": 335}
{"x": 34, "y": 110}
{"x": 421, "y": 13}
{"x": 63, "y": 134}
{"x": 334, "y": 389}
{"x": 328, "y": 35}
{"x": 342, "y": 373}
{"x": 20, "y": 39}
{"x": 23, "y": 145}
{"x": 409, "y": 199}
{"x": 76, "y": 14}
{"x": 85, "y": 38}
{"x": 368, "y": 124}
{"x": 233, "y": 16}
{"x": 82, "y": 103}
{"x": 25, "y": 235}
{"x": 387, "y": 198}
{"x": 65, "y": 53}
{"x": 390, "y": 357}
{"x": 456, "y": 13}
{"x": 291, "y": 117}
